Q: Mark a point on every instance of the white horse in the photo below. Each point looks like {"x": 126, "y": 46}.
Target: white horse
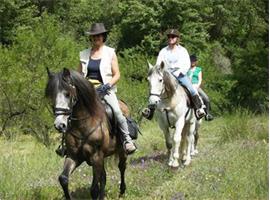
{"x": 176, "y": 119}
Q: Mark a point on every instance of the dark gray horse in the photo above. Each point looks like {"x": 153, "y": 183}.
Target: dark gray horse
{"x": 81, "y": 117}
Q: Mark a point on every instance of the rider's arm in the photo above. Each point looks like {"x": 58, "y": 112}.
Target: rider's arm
{"x": 198, "y": 85}
{"x": 115, "y": 71}
{"x": 160, "y": 58}
{"x": 184, "y": 61}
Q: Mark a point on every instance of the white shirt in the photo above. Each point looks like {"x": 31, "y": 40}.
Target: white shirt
{"x": 177, "y": 60}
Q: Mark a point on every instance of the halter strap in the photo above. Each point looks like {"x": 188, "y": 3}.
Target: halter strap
{"x": 152, "y": 94}
{"x": 61, "y": 111}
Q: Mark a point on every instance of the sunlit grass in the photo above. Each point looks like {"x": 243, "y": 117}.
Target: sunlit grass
{"x": 236, "y": 168}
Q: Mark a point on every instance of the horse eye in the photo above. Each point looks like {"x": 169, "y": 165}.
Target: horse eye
{"x": 67, "y": 95}
{"x": 160, "y": 80}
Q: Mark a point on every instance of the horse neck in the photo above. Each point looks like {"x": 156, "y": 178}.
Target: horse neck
{"x": 170, "y": 87}
{"x": 82, "y": 115}
{"x": 178, "y": 94}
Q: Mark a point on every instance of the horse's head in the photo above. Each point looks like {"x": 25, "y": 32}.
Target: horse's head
{"x": 156, "y": 83}
{"x": 160, "y": 81}
{"x": 62, "y": 93}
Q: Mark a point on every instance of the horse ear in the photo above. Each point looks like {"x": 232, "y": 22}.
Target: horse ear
{"x": 66, "y": 73}
{"x": 49, "y": 72}
{"x": 162, "y": 65}
{"x": 149, "y": 65}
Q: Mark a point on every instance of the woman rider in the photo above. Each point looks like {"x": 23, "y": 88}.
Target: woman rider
{"x": 177, "y": 61}
{"x": 100, "y": 63}
{"x": 195, "y": 75}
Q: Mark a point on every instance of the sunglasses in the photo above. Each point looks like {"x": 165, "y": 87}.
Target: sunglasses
{"x": 171, "y": 36}
{"x": 94, "y": 36}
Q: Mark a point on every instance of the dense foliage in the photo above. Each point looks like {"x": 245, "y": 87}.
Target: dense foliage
{"x": 229, "y": 37}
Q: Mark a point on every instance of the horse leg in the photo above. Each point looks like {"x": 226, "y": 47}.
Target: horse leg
{"x": 103, "y": 184}
{"x": 177, "y": 140}
{"x": 168, "y": 138}
{"x": 192, "y": 148}
{"x": 183, "y": 145}
{"x": 69, "y": 166}
{"x": 190, "y": 141}
{"x": 122, "y": 167}
{"x": 99, "y": 177}
{"x": 196, "y": 136}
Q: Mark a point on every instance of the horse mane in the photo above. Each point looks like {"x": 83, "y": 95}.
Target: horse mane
{"x": 169, "y": 85}
{"x": 86, "y": 93}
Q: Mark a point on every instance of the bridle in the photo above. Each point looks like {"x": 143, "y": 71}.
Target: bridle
{"x": 158, "y": 95}
{"x": 161, "y": 93}
{"x": 68, "y": 111}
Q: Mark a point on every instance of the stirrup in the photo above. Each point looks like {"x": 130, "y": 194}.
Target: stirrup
{"x": 209, "y": 117}
{"x": 128, "y": 152}
{"x": 148, "y": 112}
{"x": 199, "y": 114}
{"x": 61, "y": 151}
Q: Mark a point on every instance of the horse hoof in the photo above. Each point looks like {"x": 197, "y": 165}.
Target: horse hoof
{"x": 170, "y": 163}
{"x": 175, "y": 164}
{"x": 187, "y": 162}
{"x": 174, "y": 169}
{"x": 196, "y": 151}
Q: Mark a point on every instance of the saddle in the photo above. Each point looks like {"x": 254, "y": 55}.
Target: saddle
{"x": 113, "y": 124}
{"x": 112, "y": 121}
{"x": 189, "y": 98}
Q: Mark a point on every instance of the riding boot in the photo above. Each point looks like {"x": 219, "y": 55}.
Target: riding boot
{"x": 128, "y": 144}
{"x": 198, "y": 106}
{"x": 208, "y": 116}
{"x": 148, "y": 112}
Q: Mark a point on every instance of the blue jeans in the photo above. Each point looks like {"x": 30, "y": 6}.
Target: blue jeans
{"x": 185, "y": 81}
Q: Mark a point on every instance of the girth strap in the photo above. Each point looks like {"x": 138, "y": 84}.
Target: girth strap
{"x": 168, "y": 119}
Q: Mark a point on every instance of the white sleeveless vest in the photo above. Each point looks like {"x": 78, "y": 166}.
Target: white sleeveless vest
{"x": 105, "y": 63}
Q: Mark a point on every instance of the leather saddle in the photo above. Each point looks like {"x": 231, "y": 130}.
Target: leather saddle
{"x": 112, "y": 121}
{"x": 113, "y": 124}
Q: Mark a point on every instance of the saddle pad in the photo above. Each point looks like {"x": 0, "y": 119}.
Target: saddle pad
{"x": 95, "y": 82}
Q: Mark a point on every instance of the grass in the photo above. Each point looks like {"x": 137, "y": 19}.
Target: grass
{"x": 230, "y": 165}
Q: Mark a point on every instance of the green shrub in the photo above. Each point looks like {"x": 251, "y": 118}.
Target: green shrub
{"x": 133, "y": 85}
{"x": 23, "y": 75}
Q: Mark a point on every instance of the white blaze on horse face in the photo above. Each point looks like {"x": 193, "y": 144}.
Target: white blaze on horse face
{"x": 156, "y": 88}
{"x": 62, "y": 101}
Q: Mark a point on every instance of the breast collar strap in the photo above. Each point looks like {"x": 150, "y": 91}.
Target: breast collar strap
{"x": 83, "y": 138}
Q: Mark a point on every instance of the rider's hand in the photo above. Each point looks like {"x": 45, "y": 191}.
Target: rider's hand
{"x": 104, "y": 89}
{"x": 180, "y": 75}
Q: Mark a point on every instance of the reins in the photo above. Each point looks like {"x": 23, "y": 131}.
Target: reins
{"x": 83, "y": 138}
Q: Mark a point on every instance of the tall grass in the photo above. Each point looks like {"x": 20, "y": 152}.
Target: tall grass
{"x": 243, "y": 124}
{"x": 237, "y": 169}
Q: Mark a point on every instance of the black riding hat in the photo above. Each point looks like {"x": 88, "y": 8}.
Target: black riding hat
{"x": 193, "y": 58}
{"x": 96, "y": 29}
{"x": 173, "y": 32}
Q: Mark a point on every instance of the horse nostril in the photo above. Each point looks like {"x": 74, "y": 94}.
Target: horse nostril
{"x": 60, "y": 127}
